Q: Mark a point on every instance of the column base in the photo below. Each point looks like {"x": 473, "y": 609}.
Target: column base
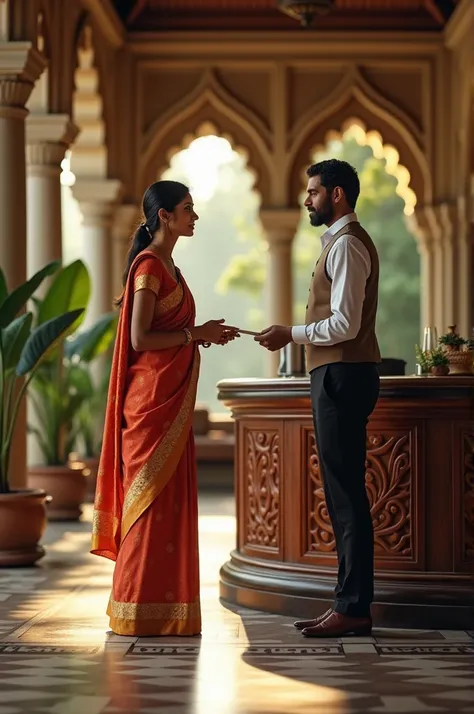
{"x": 403, "y": 600}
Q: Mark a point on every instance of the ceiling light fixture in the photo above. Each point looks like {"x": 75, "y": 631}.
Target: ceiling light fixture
{"x": 306, "y": 10}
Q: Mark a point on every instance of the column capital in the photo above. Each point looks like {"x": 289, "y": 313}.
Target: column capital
{"x": 48, "y": 136}
{"x": 280, "y": 224}
{"x": 97, "y": 199}
{"x": 434, "y": 224}
{"x": 20, "y": 66}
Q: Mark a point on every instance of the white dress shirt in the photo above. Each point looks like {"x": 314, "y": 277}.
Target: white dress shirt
{"x": 348, "y": 265}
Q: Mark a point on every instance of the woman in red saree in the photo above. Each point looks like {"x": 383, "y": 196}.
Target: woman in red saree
{"x": 145, "y": 512}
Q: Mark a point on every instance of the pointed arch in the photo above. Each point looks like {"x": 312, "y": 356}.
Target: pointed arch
{"x": 209, "y": 104}
{"x": 355, "y": 97}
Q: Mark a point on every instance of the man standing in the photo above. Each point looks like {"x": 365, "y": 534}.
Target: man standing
{"x": 341, "y": 357}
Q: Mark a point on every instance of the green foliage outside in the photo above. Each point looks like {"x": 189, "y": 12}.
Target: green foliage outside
{"x": 225, "y": 262}
{"x": 380, "y": 211}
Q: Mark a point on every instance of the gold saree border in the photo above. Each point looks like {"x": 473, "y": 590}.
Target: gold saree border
{"x": 155, "y": 474}
{"x": 104, "y": 527}
{"x": 160, "y": 619}
{"x": 150, "y": 282}
{"x": 170, "y": 301}
{"x": 154, "y": 610}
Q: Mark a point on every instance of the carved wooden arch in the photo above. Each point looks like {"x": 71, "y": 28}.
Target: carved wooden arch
{"x": 209, "y": 104}
{"x": 355, "y": 97}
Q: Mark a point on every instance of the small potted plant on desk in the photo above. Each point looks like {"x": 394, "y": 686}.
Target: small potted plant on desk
{"x": 22, "y": 351}
{"x": 457, "y": 351}
{"x": 438, "y": 362}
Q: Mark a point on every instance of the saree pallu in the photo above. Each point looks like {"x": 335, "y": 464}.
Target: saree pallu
{"x": 145, "y": 513}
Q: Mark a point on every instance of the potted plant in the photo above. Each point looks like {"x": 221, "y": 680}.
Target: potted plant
{"x": 22, "y": 351}
{"x": 438, "y": 362}
{"x": 91, "y": 359}
{"x": 422, "y": 359}
{"x": 55, "y": 403}
{"x": 460, "y": 357}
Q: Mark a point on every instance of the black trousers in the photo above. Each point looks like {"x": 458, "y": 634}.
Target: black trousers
{"x": 343, "y": 396}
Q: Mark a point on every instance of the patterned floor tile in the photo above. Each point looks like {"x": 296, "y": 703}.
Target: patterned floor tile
{"x": 58, "y": 656}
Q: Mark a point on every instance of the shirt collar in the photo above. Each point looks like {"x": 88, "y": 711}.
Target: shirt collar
{"x": 336, "y": 227}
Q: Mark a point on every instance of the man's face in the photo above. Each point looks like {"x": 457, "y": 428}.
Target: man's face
{"x": 319, "y": 203}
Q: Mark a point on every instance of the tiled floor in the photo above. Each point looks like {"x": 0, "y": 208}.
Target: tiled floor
{"x": 57, "y": 657}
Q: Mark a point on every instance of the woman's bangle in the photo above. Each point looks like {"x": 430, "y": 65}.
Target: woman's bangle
{"x": 189, "y": 337}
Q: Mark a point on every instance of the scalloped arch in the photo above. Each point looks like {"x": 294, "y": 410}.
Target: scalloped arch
{"x": 209, "y": 104}
{"x": 207, "y": 128}
{"x": 380, "y": 150}
{"x": 355, "y": 97}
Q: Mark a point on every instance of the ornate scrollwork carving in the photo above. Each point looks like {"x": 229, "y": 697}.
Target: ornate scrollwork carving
{"x": 468, "y": 496}
{"x": 263, "y": 488}
{"x": 388, "y": 482}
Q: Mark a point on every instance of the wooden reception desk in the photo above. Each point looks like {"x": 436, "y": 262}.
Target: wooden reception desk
{"x": 420, "y": 480}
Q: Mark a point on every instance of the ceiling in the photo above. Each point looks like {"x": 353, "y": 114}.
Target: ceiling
{"x": 167, "y": 15}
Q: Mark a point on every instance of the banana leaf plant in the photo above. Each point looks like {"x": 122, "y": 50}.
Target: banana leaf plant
{"x": 53, "y": 396}
{"x": 23, "y": 350}
{"x": 83, "y": 354}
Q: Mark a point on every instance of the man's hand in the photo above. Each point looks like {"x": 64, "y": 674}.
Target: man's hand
{"x": 274, "y": 337}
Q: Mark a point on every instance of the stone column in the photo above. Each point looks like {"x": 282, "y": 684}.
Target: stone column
{"x": 48, "y": 137}
{"x": 280, "y": 227}
{"x": 20, "y": 67}
{"x": 97, "y": 200}
{"x": 125, "y": 221}
{"x": 446, "y": 260}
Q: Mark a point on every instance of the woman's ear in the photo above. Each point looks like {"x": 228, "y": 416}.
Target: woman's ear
{"x": 164, "y": 216}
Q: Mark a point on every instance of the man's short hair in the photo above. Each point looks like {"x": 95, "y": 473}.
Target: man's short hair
{"x": 334, "y": 172}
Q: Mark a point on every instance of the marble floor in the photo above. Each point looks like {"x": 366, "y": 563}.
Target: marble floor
{"x": 57, "y": 657}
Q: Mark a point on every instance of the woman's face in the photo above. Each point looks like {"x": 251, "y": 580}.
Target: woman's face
{"x": 184, "y": 218}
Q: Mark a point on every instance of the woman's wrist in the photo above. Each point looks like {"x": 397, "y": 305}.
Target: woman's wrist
{"x": 195, "y": 333}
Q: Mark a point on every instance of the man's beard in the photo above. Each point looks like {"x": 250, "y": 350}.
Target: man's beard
{"x": 322, "y": 217}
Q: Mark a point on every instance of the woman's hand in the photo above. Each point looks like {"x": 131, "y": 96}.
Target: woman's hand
{"x": 215, "y": 331}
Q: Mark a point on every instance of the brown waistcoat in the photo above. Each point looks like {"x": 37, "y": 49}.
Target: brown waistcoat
{"x": 364, "y": 347}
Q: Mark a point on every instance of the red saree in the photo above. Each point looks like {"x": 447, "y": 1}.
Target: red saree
{"x": 145, "y": 512}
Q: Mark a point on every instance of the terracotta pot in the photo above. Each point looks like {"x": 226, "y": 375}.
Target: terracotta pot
{"x": 89, "y": 465}
{"x": 66, "y": 486}
{"x": 440, "y": 370}
{"x": 460, "y": 361}
{"x": 22, "y": 524}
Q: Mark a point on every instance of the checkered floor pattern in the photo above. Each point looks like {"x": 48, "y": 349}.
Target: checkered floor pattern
{"x": 58, "y": 657}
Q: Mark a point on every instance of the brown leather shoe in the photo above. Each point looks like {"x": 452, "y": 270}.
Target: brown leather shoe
{"x": 302, "y": 624}
{"x": 337, "y": 625}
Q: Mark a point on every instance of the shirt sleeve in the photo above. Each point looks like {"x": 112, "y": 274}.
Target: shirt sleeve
{"x": 348, "y": 265}
{"x": 147, "y": 276}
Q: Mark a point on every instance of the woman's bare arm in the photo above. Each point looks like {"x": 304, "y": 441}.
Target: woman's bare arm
{"x": 142, "y": 336}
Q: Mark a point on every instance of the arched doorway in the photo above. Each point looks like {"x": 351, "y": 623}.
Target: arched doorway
{"x": 214, "y": 261}
{"x": 385, "y": 200}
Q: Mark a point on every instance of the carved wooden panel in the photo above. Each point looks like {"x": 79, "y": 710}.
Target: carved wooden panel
{"x": 262, "y": 486}
{"x": 389, "y": 481}
{"x": 468, "y": 495}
